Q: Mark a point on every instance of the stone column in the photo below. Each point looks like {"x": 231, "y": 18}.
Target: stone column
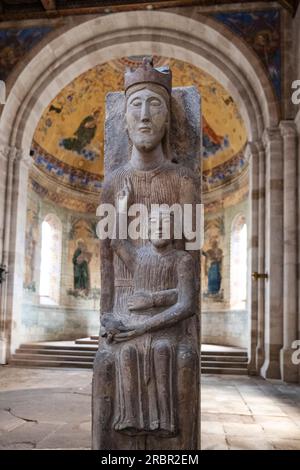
{"x": 274, "y": 253}
{"x": 297, "y": 122}
{"x": 252, "y": 156}
{"x": 289, "y": 371}
{"x": 5, "y": 188}
{"x": 260, "y": 348}
{"x": 13, "y": 250}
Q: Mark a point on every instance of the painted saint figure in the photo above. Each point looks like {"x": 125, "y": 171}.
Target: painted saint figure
{"x": 213, "y": 267}
{"x": 81, "y": 259}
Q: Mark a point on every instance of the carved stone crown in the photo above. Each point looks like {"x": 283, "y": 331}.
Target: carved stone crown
{"x": 147, "y": 73}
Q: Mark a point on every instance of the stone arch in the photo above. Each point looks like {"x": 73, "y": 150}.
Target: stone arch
{"x": 203, "y": 42}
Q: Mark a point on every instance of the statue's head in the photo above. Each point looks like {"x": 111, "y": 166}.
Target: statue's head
{"x": 148, "y": 94}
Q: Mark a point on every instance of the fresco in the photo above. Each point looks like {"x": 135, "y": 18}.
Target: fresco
{"x": 225, "y": 172}
{"x": 212, "y": 259}
{"x": 83, "y": 256}
{"x": 15, "y": 43}
{"x": 61, "y": 198}
{"x": 68, "y": 142}
{"x": 261, "y": 31}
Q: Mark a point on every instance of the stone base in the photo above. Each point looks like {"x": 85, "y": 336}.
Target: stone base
{"x": 259, "y": 358}
{"x": 3, "y": 349}
{"x": 270, "y": 370}
{"x": 289, "y": 371}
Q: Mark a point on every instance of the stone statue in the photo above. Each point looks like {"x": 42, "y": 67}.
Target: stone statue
{"x": 146, "y": 370}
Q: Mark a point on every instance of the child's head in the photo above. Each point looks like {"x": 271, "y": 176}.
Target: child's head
{"x": 161, "y": 227}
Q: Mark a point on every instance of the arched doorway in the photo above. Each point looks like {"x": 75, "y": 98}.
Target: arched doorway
{"x": 203, "y": 43}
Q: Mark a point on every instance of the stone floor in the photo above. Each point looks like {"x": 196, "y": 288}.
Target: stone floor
{"x": 50, "y": 409}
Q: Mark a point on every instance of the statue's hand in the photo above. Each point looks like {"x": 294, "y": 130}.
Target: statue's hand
{"x": 124, "y": 196}
{"x": 140, "y": 300}
{"x": 134, "y": 332}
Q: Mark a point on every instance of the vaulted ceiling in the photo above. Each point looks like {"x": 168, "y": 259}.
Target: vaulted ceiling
{"x": 17, "y": 9}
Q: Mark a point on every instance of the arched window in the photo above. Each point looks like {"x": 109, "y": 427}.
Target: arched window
{"x": 238, "y": 263}
{"x": 50, "y": 260}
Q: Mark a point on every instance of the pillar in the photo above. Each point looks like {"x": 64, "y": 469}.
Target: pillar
{"x": 260, "y": 347}
{"x": 273, "y": 336}
{"x": 297, "y": 122}
{"x": 15, "y": 203}
{"x": 289, "y": 371}
{"x": 252, "y": 156}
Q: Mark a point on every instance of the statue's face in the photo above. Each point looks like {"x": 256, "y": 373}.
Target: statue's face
{"x": 146, "y": 116}
{"x": 161, "y": 228}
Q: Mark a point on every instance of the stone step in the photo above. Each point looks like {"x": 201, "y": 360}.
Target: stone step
{"x": 60, "y": 357}
{"x": 48, "y": 363}
{"x": 223, "y": 371}
{"x": 81, "y": 354}
{"x": 66, "y": 352}
{"x": 218, "y": 358}
{"x": 227, "y": 365}
{"x": 89, "y": 365}
{"x": 225, "y": 353}
{"x": 87, "y": 347}
{"x": 86, "y": 341}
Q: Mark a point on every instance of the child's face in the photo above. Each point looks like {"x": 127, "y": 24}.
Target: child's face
{"x": 161, "y": 228}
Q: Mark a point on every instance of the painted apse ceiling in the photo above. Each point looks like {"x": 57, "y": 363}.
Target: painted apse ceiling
{"x": 68, "y": 142}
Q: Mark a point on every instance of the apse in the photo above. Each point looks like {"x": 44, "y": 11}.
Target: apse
{"x": 65, "y": 184}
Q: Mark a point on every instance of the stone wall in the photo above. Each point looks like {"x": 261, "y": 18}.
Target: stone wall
{"x": 76, "y": 313}
{"x": 296, "y": 48}
{"x": 223, "y": 322}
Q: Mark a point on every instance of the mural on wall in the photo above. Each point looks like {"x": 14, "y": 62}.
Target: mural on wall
{"x": 31, "y": 243}
{"x": 68, "y": 141}
{"x": 15, "y": 43}
{"x": 81, "y": 259}
{"x": 83, "y": 256}
{"x": 61, "y": 198}
{"x": 212, "y": 259}
{"x": 261, "y": 31}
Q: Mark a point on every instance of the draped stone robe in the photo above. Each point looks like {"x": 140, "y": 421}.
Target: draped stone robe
{"x": 138, "y": 420}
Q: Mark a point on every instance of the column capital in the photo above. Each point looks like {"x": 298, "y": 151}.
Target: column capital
{"x": 250, "y": 149}
{"x": 297, "y": 121}
{"x": 13, "y": 154}
{"x": 288, "y": 129}
{"x": 255, "y": 146}
{"x": 23, "y": 157}
{"x": 4, "y": 152}
{"x": 271, "y": 135}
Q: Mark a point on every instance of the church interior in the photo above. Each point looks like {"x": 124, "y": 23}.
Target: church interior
{"x": 58, "y": 62}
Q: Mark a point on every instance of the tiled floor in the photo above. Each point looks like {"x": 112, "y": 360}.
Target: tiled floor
{"x": 249, "y": 413}
{"x": 50, "y": 409}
